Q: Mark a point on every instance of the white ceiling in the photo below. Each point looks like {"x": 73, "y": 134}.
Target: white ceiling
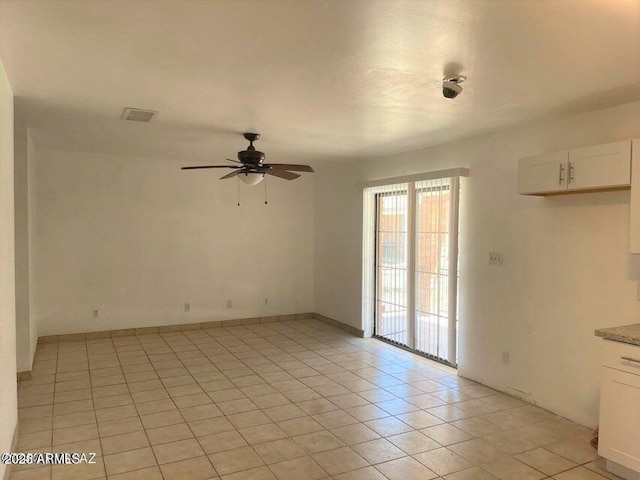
{"x": 318, "y": 79}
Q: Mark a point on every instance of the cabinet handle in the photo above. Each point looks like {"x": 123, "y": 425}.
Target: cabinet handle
{"x": 561, "y": 177}
{"x": 629, "y": 359}
{"x": 570, "y": 173}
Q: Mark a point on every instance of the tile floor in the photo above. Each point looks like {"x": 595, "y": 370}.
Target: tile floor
{"x": 286, "y": 401}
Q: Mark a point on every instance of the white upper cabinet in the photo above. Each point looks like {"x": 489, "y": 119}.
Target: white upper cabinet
{"x": 598, "y": 167}
{"x": 543, "y": 173}
{"x": 634, "y": 220}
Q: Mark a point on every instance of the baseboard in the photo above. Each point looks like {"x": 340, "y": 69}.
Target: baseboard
{"x": 343, "y": 326}
{"x": 14, "y": 445}
{"x": 70, "y": 337}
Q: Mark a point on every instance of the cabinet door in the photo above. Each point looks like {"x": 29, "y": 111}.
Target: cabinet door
{"x": 634, "y": 220}
{"x": 600, "y": 166}
{"x": 543, "y": 173}
{"x": 620, "y": 418}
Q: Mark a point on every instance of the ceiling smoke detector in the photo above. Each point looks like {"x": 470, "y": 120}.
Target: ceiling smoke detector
{"x": 451, "y": 87}
{"x": 138, "y": 115}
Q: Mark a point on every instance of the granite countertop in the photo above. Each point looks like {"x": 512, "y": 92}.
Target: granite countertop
{"x": 625, "y": 334}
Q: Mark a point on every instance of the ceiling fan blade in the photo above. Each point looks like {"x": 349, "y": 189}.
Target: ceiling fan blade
{"x": 283, "y": 174}
{"x": 209, "y": 166}
{"x": 232, "y": 174}
{"x": 234, "y": 161}
{"x": 290, "y": 166}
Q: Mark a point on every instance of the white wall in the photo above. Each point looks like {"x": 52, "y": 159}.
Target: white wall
{"x": 8, "y": 399}
{"x": 566, "y": 269}
{"x": 136, "y": 238}
{"x": 26, "y": 329}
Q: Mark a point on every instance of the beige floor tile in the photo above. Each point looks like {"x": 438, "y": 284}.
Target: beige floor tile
{"x": 579, "y": 473}
{"x": 284, "y": 412}
{"x": 84, "y": 471}
{"x": 298, "y": 468}
{"x": 352, "y": 434}
{"x": 474, "y": 473}
{"x": 545, "y": 461}
{"x": 340, "y": 460}
{"x": 124, "y": 442}
{"x": 258, "y": 473}
{"x": 300, "y": 426}
{"x": 443, "y": 461}
{"x": 117, "y": 427}
{"x": 150, "y": 473}
{"x": 176, "y": 451}
{"x": 405, "y": 468}
{"x": 231, "y": 407}
{"x": 30, "y": 441}
{"x": 235, "y": 460}
{"x": 37, "y": 473}
{"x": 316, "y": 406}
{"x": 200, "y": 412}
{"x": 378, "y": 451}
{"x": 510, "y": 442}
{"x": 388, "y": 426}
{"x": 278, "y": 451}
{"x": 223, "y": 441}
{"x": 419, "y": 419}
{"x": 35, "y": 425}
{"x": 248, "y": 419}
{"x": 76, "y": 406}
{"x": 149, "y": 395}
{"x": 198, "y": 468}
{"x": 193, "y": 400}
{"x": 348, "y": 400}
{"x": 129, "y": 460}
{"x": 477, "y": 451}
{"x": 335, "y": 419}
{"x": 364, "y": 413}
{"x": 262, "y": 433}
{"x": 270, "y": 400}
{"x": 210, "y": 426}
{"x": 318, "y": 441}
{"x": 113, "y": 401}
{"x": 511, "y": 469}
{"x": 169, "y": 433}
{"x": 155, "y": 406}
{"x": 161, "y": 419}
{"x": 366, "y": 473}
{"x": 599, "y": 466}
{"x": 413, "y": 442}
{"x": 116, "y": 413}
{"x": 75, "y": 434}
{"x": 577, "y": 450}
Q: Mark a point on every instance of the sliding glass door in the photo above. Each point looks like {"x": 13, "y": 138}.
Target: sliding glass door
{"x": 392, "y": 316}
{"x": 415, "y": 267}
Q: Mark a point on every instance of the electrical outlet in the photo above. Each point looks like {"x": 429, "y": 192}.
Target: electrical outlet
{"x": 95, "y": 313}
{"x": 187, "y": 307}
{"x": 495, "y": 258}
{"x": 266, "y": 300}
{"x": 229, "y": 303}
{"x": 505, "y": 357}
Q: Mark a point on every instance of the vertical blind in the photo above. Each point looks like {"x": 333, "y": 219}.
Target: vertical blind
{"x": 410, "y": 272}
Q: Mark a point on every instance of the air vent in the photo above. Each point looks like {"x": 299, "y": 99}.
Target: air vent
{"x": 138, "y": 115}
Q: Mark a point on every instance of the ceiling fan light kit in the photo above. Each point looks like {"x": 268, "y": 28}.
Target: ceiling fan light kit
{"x": 251, "y": 178}
{"x": 252, "y": 169}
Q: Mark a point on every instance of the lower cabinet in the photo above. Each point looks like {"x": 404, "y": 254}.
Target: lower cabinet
{"x": 619, "y": 440}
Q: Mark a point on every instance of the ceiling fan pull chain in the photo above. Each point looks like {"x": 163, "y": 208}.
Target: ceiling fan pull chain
{"x": 238, "y": 190}
{"x": 265, "y": 190}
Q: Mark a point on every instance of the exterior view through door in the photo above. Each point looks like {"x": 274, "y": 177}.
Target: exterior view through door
{"x": 412, "y": 273}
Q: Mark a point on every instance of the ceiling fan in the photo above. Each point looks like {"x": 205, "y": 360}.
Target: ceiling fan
{"x": 253, "y": 169}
